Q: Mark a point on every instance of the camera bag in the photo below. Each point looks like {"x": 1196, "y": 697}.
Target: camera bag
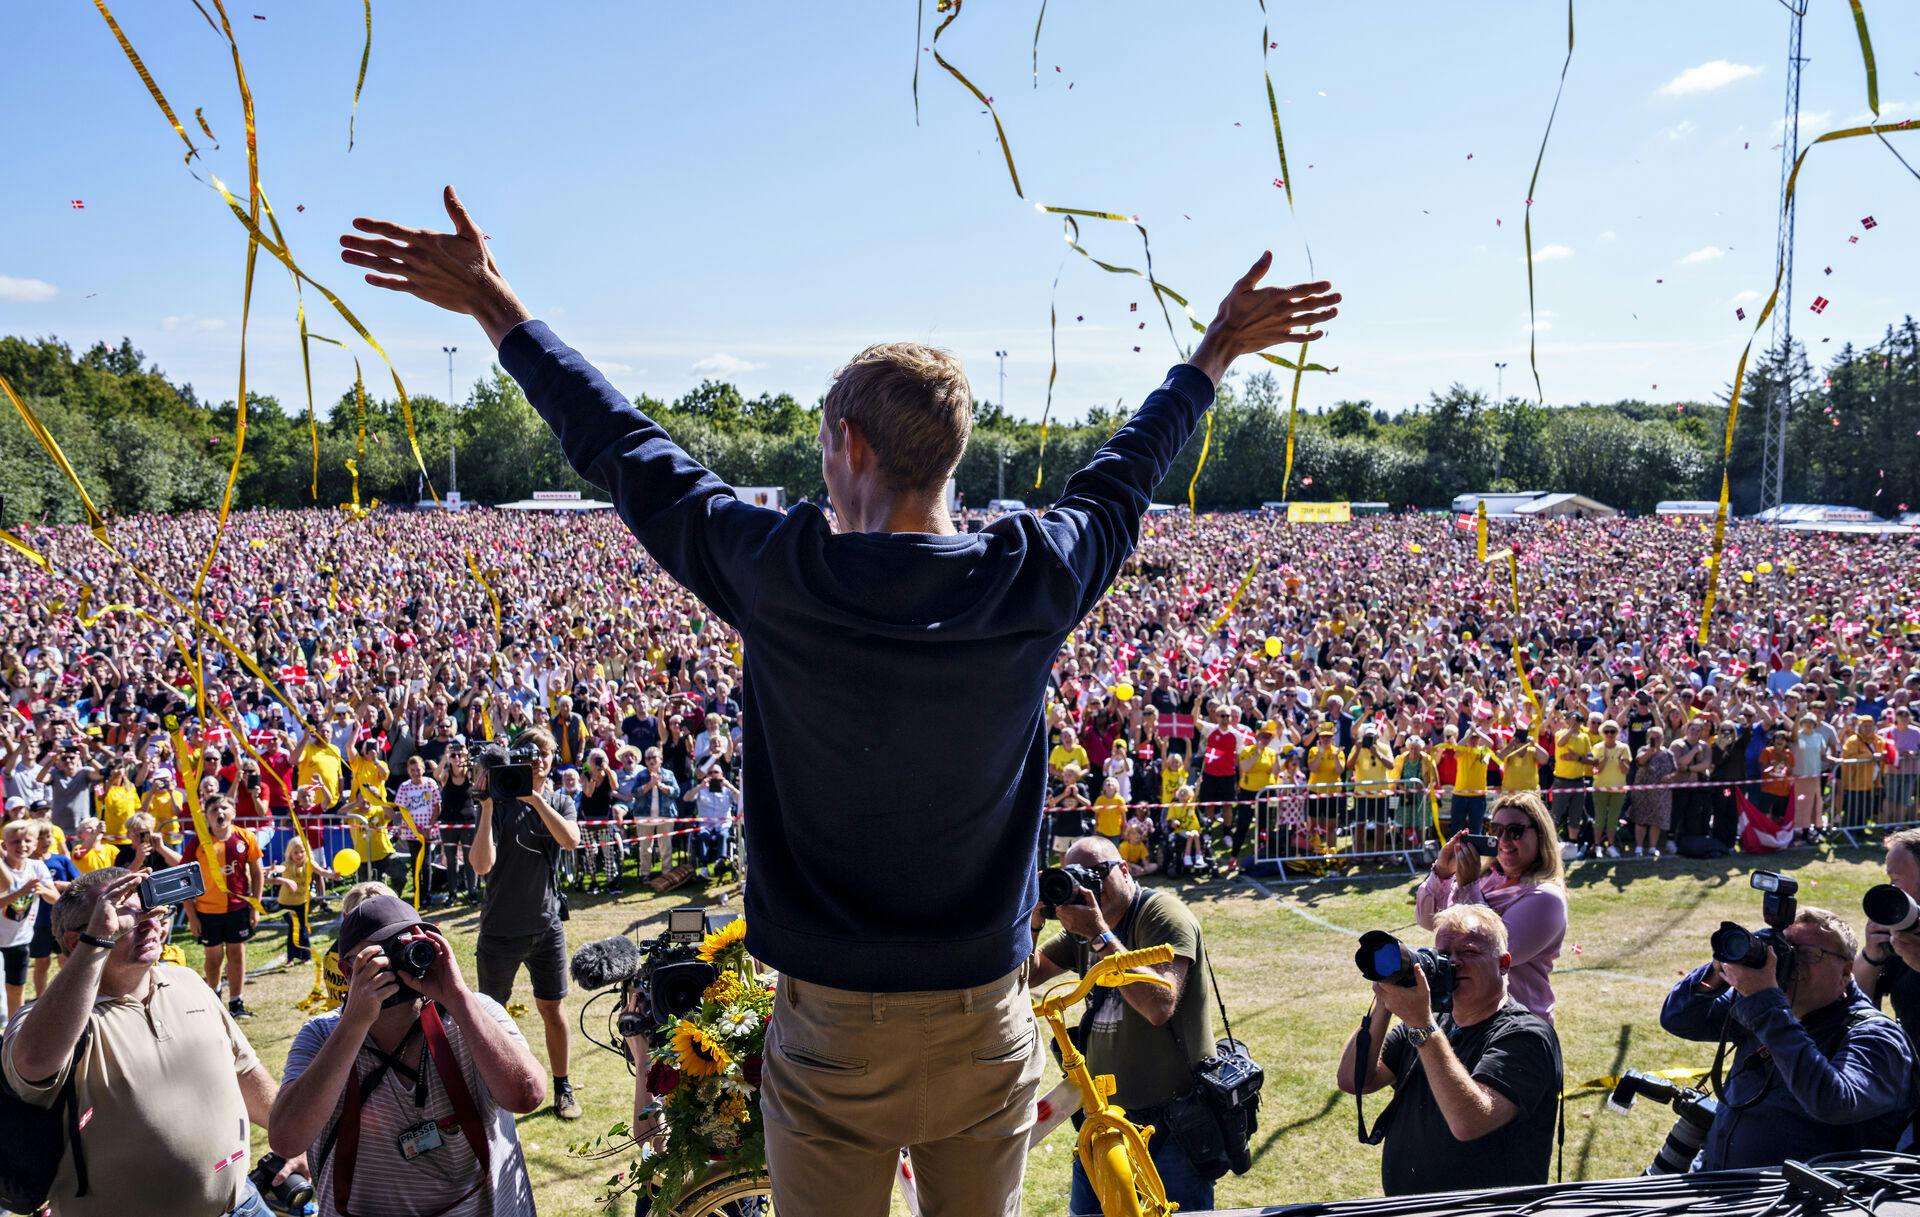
{"x": 38, "y": 1138}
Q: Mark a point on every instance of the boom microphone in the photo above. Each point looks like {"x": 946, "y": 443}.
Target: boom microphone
{"x": 610, "y": 961}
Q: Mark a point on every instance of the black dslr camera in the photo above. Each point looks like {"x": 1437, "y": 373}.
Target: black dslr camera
{"x": 1059, "y": 883}
{"x": 1695, "y": 1108}
{"x": 1382, "y": 958}
{"x": 666, "y": 976}
{"x": 1733, "y": 943}
{"x": 509, "y": 767}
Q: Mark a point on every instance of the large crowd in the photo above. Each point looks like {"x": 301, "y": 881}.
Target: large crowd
{"x": 1358, "y": 679}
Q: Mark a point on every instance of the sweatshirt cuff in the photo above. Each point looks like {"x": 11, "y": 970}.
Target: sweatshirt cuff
{"x": 521, "y": 349}
{"x": 1192, "y": 385}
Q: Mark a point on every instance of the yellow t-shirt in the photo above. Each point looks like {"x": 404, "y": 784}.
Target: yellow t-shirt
{"x": 168, "y": 810}
{"x": 300, "y": 876}
{"x": 321, "y": 763}
{"x": 1569, "y": 742}
{"x": 1470, "y": 768}
{"x": 1368, "y": 767}
{"x": 59, "y": 837}
{"x": 1172, "y": 778}
{"x": 369, "y": 778}
{"x": 1134, "y": 852}
{"x": 1259, "y": 774}
{"x": 116, "y": 809}
{"x": 1109, "y": 813}
{"x": 1520, "y": 770}
{"x": 1612, "y": 770}
{"x": 1325, "y": 765}
{"x": 99, "y": 857}
{"x": 1183, "y": 817}
{"x": 1061, "y": 757}
{"x": 1861, "y": 773}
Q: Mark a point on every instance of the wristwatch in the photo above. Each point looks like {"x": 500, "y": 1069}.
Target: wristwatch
{"x": 1107, "y": 938}
{"x": 1418, "y": 1036}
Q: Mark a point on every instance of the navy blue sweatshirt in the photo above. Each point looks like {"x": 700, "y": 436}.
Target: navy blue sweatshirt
{"x": 895, "y": 749}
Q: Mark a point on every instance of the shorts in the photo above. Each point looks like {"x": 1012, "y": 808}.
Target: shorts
{"x": 1570, "y": 802}
{"x": 497, "y": 959}
{"x": 16, "y": 964}
{"x": 217, "y": 929}
{"x": 42, "y": 945}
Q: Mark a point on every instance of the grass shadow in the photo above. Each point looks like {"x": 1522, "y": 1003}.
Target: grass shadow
{"x": 1614, "y": 1070}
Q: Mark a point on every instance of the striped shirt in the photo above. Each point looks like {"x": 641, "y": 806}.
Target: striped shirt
{"x": 384, "y": 1183}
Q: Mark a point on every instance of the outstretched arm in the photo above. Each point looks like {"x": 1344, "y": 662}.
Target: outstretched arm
{"x": 687, "y": 517}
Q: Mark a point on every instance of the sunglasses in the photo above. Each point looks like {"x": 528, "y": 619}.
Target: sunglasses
{"x": 1514, "y": 832}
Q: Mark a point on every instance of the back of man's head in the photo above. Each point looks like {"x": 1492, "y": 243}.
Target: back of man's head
{"x": 913, "y": 404}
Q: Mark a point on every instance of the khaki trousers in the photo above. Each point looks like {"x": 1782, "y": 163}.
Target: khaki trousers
{"x": 852, "y": 1078}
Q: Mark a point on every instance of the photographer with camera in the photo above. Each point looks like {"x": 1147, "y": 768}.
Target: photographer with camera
{"x": 1149, "y": 1038}
{"x": 1816, "y": 1069}
{"x": 1888, "y": 966}
{"x": 168, "y": 1081}
{"x": 1475, "y": 1076}
{"x": 523, "y": 826}
{"x": 1524, "y": 882}
{"x": 404, "y": 1099}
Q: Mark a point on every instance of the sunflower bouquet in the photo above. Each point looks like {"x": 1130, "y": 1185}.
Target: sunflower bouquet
{"x": 706, "y": 1076}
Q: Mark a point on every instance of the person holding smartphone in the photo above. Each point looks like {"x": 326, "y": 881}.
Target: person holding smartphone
{"x": 1524, "y": 881}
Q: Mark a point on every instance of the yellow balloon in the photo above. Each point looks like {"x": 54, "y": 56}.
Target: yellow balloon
{"x": 1746, "y": 576}
{"x": 1414, "y": 549}
{"x": 1765, "y": 568}
{"x": 1273, "y": 647}
{"x": 1789, "y": 568}
{"x": 1123, "y": 691}
{"x": 346, "y": 861}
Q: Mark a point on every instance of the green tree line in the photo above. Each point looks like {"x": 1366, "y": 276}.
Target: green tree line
{"x": 142, "y": 443}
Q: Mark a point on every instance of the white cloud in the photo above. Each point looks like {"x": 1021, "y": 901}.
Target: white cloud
{"x": 1679, "y": 130}
{"x": 1609, "y": 235}
{"x": 613, "y": 367}
{"x": 1811, "y": 122}
{"x": 721, "y": 364}
{"x": 1543, "y": 322}
{"x": 26, "y": 291}
{"x": 1747, "y": 297}
{"x": 1706, "y": 77}
{"x": 1551, "y": 253}
{"x": 187, "y": 321}
{"x": 1888, "y": 112}
{"x": 1706, "y": 253}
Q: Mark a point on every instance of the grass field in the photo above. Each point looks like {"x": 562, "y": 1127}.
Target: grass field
{"x": 1285, "y": 961}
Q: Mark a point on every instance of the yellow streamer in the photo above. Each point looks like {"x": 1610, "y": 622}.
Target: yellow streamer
{"x": 952, "y": 9}
{"x": 1532, "y": 327}
{"x": 1513, "y": 631}
{"x": 1245, "y": 581}
{"x": 146, "y": 78}
{"x": 1740, "y": 372}
{"x": 366, "y": 50}
{"x": 1206, "y": 442}
{"x": 1480, "y": 530}
{"x": 481, "y": 579}
{"x": 1053, "y": 352}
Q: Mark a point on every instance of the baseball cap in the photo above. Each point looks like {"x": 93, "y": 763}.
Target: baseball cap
{"x": 374, "y": 920}
{"x": 16, "y": 803}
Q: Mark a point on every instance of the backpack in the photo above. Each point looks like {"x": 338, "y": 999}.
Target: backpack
{"x": 33, "y": 1136}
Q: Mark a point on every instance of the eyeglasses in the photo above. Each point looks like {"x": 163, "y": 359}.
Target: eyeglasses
{"x": 1514, "y": 832}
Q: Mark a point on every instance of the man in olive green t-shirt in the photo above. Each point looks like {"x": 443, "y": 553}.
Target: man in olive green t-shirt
{"x": 1149, "y": 1038}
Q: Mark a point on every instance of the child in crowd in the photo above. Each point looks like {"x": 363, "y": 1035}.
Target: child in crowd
{"x": 1109, "y": 811}
{"x": 1069, "y": 809}
{"x": 1183, "y": 822}
{"x": 1134, "y": 851}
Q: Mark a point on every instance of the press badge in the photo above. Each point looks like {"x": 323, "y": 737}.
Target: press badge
{"x": 420, "y": 1139}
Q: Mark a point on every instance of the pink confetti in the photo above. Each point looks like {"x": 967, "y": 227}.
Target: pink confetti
{"x": 1134, "y": 307}
{"x": 1869, "y": 222}
{"x": 300, "y": 207}
{"x": 1136, "y": 350}
{"x": 1279, "y": 183}
{"x": 1819, "y": 304}
{"x": 1829, "y": 270}
{"x": 1469, "y": 156}
{"x": 1854, "y": 239}
{"x": 1496, "y": 221}
{"x": 1739, "y": 314}
{"x": 1744, "y": 145}
{"x": 1141, "y": 326}
{"x": 78, "y": 204}
{"x": 1306, "y": 481}
{"x": 1056, "y": 67}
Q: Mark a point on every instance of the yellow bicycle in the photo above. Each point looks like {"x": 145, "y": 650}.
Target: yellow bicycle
{"x": 1112, "y": 1149}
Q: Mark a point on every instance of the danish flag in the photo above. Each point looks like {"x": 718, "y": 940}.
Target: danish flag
{"x": 293, "y": 674}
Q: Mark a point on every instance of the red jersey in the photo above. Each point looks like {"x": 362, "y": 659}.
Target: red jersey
{"x": 1223, "y": 753}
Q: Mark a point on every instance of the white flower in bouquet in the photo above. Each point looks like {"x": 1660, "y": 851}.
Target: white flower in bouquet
{"x": 735, "y": 1021}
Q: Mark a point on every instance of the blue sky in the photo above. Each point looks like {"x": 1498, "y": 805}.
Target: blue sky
{"x": 742, "y": 191}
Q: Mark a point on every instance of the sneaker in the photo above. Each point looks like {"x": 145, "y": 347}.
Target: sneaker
{"x": 237, "y": 1010}
{"x": 1654, "y": 853}
{"x": 565, "y": 1105}
{"x": 1613, "y": 851}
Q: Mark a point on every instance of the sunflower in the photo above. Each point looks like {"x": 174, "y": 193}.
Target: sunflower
{"x": 698, "y": 1053}
{"x": 717, "y": 943}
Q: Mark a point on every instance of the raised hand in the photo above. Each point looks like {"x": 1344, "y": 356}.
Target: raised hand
{"x": 454, "y": 270}
{"x": 1252, "y": 318}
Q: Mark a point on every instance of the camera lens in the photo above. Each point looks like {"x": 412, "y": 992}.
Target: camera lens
{"x": 1380, "y": 958}
{"x": 415, "y": 958}
{"x": 1056, "y": 886}
{"x": 1736, "y": 944}
{"x": 1891, "y": 907}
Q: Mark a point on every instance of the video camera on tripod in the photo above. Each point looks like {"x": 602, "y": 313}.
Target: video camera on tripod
{"x": 662, "y": 980}
{"x": 1695, "y": 1108}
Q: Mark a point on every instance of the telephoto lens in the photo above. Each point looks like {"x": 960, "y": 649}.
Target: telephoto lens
{"x": 1681, "y": 1147}
{"x": 1733, "y": 943}
{"x": 1889, "y": 906}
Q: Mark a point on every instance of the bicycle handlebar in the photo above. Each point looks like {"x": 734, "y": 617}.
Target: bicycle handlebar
{"x": 1113, "y": 971}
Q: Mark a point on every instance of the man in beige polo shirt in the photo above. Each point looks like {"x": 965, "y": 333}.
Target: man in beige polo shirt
{"x": 167, "y": 1083}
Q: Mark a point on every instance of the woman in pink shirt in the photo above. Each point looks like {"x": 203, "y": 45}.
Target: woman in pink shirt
{"x": 1525, "y": 883}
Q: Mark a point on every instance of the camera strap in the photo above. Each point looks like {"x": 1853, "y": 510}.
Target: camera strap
{"x": 1363, "y": 1055}
{"x": 466, "y": 1113}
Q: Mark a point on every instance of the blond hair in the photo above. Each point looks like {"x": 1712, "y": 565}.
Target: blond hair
{"x": 913, "y": 404}
{"x": 29, "y": 827}
{"x": 1839, "y": 934}
{"x": 1475, "y": 921}
{"x": 1548, "y": 869}
{"x": 359, "y": 893}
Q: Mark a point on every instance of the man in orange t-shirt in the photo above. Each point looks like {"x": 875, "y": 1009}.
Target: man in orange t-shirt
{"x": 224, "y": 916}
